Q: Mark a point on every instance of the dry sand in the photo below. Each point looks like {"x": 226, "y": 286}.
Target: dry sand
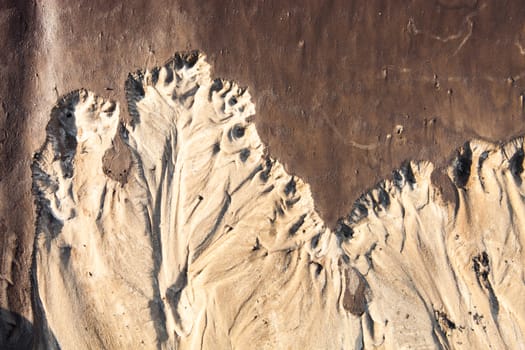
{"x": 331, "y": 82}
{"x": 197, "y": 238}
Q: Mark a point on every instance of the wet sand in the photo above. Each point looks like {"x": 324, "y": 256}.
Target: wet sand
{"x": 344, "y": 92}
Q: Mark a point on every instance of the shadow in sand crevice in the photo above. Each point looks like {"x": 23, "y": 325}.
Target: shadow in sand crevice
{"x": 16, "y": 331}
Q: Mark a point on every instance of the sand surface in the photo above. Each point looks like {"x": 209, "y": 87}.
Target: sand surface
{"x": 345, "y": 91}
{"x": 204, "y": 241}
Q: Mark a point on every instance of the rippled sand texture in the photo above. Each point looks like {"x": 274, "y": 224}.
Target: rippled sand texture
{"x": 173, "y": 228}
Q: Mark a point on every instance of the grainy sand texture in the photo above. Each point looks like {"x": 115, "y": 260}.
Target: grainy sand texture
{"x": 167, "y": 225}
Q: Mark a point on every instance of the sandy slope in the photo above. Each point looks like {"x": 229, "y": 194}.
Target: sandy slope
{"x": 200, "y": 240}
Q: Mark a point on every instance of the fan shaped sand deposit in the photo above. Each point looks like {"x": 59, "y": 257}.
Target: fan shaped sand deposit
{"x": 193, "y": 237}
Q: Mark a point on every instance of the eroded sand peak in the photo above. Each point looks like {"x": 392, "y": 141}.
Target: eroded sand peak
{"x": 200, "y": 239}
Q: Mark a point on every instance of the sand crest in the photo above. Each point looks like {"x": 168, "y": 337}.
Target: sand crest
{"x": 198, "y": 239}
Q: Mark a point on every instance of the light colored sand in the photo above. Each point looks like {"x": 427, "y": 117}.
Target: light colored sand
{"x": 211, "y": 244}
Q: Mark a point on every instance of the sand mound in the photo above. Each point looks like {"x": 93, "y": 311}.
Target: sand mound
{"x": 174, "y": 229}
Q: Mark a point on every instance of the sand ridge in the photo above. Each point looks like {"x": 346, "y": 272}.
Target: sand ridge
{"x": 207, "y": 242}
